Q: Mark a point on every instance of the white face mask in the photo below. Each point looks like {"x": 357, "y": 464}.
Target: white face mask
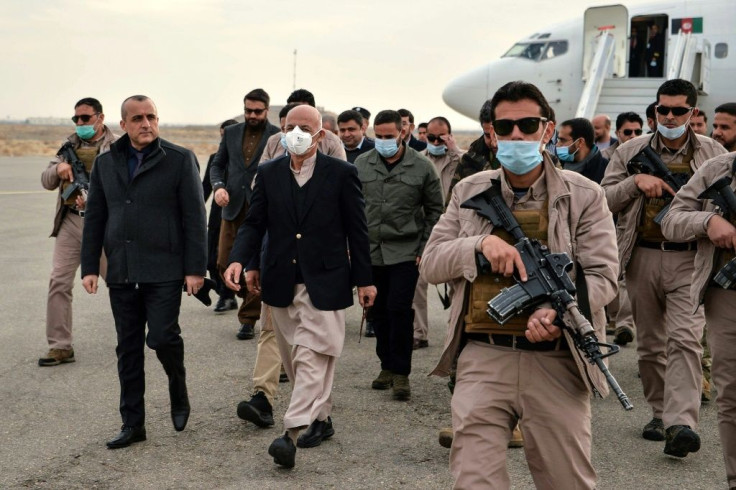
{"x": 298, "y": 142}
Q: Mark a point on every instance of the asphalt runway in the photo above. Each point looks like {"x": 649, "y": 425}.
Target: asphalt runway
{"x": 55, "y": 421}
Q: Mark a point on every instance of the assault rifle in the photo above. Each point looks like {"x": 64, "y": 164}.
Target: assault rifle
{"x": 724, "y": 197}
{"x": 81, "y": 179}
{"x": 547, "y": 280}
{"x": 647, "y": 162}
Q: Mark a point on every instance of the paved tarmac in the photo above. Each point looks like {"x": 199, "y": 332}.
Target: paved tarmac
{"x": 56, "y": 420}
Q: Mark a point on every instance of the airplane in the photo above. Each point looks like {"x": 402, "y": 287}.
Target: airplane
{"x": 585, "y": 66}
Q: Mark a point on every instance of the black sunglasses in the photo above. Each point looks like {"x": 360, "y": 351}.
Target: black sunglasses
{"x": 257, "y": 112}
{"x": 432, "y": 138}
{"x": 628, "y": 132}
{"x": 527, "y": 125}
{"x": 676, "y": 111}
{"x": 84, "y": 117}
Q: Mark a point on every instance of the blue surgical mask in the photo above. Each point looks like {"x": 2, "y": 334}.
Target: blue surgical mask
{"x": 436, "y": 150}
{"x": 563, "y": 153}
{"x": 283, "y": 141}
{"x": 86, "y": 132}
{"x": 672, "y": 133}
{"x": 387, "y": 148}
{"x": 519, "y": 157}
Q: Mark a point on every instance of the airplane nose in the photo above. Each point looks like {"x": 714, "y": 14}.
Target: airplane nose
{"x": 467, "y": 93}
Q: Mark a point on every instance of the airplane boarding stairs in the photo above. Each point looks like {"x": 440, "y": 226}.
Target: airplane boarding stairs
{"x": 627, "y": 94}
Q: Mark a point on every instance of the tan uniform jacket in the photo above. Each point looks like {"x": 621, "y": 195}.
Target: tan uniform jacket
{"x": 625, "y": 198}
{"x": 445, "y": 165}
{"x": 579, "y": 224}
{"x": 50, "y": 180}
{"x": 608, "y": 152}
{"x": 329, "y": 145}
{"x": 688, "y": 218}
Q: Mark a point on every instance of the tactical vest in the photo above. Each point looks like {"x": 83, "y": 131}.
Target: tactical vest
{"x": 87, "y": 156}
{"x": 534, "y": 224}
{"x": 648, "y": 230}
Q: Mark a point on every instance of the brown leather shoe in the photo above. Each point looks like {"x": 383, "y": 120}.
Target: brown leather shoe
{"x": 420, "y": 344}
{"x": 57, "y": 356}
{"x": 517, "y": 438}
{"x": 446, "y": 437}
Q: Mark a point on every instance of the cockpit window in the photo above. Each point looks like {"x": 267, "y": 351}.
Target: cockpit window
{"x": 537, "y": 51}
{"x": 554, "y": 49}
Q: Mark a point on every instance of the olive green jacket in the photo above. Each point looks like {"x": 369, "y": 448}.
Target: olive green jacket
{"x": 401, "y": 206}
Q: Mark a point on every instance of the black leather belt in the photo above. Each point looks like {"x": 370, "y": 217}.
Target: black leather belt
{"x": 519, "y": 342}
{"x": 76, "y": 211}
{"x": 669, "y": 246}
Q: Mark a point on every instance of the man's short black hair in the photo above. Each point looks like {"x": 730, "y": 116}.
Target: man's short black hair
{"x": 137, "y": 98}
{"x": 650, "y": 110}
{"x": 678, "y": 86}
{"x": 406, "y": 113}
{"x": 516, "y": 91}
{"x": 581, "y": 128}
{"x": 350, "y": 115}
{"x": 227, "y": 123}
{"x": 422, "y": 125}
{"x": 388, "y": 116}
{"x": 285, "y": 110}
{"x": 485, "y": 115}
{"x": 92, "y": 102}
{"x": 703, "y": 115}
{"x": 625, "y": 117}
{"x": 444, "y": 121}
{"x": 301, "y": 95}
{"x": 258, "y": 94}
{"x": 728, "y": 108}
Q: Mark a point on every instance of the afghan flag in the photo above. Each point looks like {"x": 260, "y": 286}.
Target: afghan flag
{"x": 692, "y": 25}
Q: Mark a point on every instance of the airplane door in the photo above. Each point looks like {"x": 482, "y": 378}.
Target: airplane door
{"x": 615, "y": 20}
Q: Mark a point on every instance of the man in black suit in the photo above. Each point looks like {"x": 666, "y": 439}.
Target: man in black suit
{"x": 232, "y": 172}
{"x": 226, "y": 300}
{"x": 407, "y": 126}
{"x": 312, "y": 207}
{"x": 145, "y": 207}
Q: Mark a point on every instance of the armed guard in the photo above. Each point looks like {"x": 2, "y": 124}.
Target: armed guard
{"x": 640, "y": 179}
{"x": 69, "y": 172}
{"x": 705, "y": 209}
{"x": 513, "y": 372}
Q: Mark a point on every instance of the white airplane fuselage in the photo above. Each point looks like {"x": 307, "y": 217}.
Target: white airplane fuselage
{"x": 561, "y": 75}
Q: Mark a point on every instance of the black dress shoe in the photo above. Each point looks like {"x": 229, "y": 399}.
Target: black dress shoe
{"x": 128, "y": 435}
{"x": 180, "y": 416}
{"x": 283, "y": 451}
{"x": 369, "y": 331}
{"x": 225, "y": 304}
{"x": 318, "y": 431}
{"x": 258, "y": 410}
{"x": 246, "y": 332}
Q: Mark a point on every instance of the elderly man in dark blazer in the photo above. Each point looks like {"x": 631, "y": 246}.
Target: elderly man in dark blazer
{"x": 145, "y": 207}
{"x": 312, "y": 207}
{"x": 232, "y": 172}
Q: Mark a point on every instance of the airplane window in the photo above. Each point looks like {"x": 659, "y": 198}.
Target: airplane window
{"x": 530, "y": 51}
{"x": 554, "y": 49}
{"x": 546, "y": 35}
{"x": 721, "y": 50}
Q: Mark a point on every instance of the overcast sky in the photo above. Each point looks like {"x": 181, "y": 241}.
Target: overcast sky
{"x": 197, "y": 58}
